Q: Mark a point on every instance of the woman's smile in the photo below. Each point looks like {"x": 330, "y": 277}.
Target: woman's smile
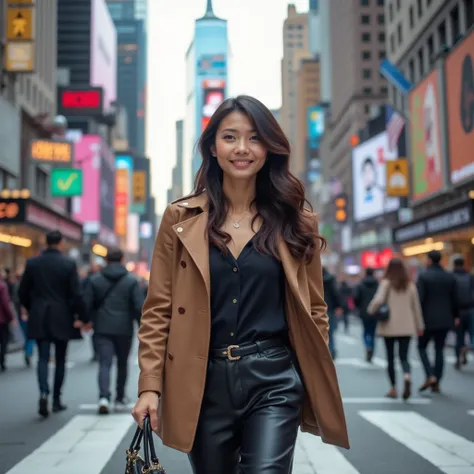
{"x": 241, "y": 164}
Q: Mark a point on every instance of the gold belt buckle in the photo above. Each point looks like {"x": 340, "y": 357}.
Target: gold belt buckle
{"x": 229, "y": 355}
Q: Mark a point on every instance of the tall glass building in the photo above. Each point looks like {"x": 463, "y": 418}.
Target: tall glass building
{"x": 207, "y": 71}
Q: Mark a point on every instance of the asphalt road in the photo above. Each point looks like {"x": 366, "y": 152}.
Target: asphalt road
{"x": 429, "y": 435}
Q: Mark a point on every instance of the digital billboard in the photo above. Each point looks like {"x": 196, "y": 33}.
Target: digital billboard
{"x": 103, "y": 58}
{"x": 369, "y": 178}
{"x": 315, "y": 122}
{"x": 107, "y": 188}
{"x": 213, "y": 91}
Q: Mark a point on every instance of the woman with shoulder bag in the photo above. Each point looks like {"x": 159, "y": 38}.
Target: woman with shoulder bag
{"x": 404, "y": 320}
{"x": 233, "y": 347}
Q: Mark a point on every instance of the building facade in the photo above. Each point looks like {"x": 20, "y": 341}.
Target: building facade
{"x": 176, "y": 190}
{"x": 207, "y": 67}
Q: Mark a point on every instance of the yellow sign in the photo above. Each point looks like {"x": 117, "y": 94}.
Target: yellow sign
{"x": 397, "y": 178}
{"x": 51, "y": 151}
{"x": 20, "y": 24}
{"x": 121, "y": 201}
{"x": 139, "y": 187}
{"x": 20, "y": 56}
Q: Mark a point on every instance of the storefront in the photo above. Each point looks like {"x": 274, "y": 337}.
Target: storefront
{"x": 451, "y": 231}
{"x": 23, "y": 225}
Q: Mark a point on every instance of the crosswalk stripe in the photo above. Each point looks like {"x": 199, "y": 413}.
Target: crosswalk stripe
{"x": 386, "y": 400}
{"x": 449, "y": 452}
{"x": 470, "y": 412}
{"x": 84, "y": 445}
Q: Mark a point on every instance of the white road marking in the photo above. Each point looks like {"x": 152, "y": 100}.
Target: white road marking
{"x": 470, "y": 412}
{"x": 323, "y": 458}
{"x": 93, "y": 406}
{"x": 449, "y": 452}
{"x": 385, "y": 401}
{"x": 352, "y": 341}
{"x": 84, "y": 445}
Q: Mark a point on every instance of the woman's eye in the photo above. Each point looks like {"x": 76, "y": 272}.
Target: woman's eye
{"x": 255, "y": 138}
{"x": 228, "y": 137}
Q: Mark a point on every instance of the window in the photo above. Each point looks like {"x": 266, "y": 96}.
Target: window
{"x": 382, "y": 37}
{"x": 367, "y": 109}
{"x": 419, "y": 8}
{"x": 392, "y": 42}
{"x": 384, "y": 90}
{"x": 411, "y": 70}
{"x": 442, "y": 34}
{"x": 469, "y": 9}
{"x": 380, "y": 3}
{"x": 367, "y": 90}
{"x": 421, "y": 61}
{"x": 454, "y": 17}
{"x": 366, "y": 73}
{"x": 365, "y": 19}
{"x": 399, "y": 33}
{"x": 430, "y": 48}
{"x": 364, "y": 3}
{"x": 398, "y": 5}
{"x": 366, "y": 37}
{"x": 41, "y": 183}
{"x": 412, "y": 17}
{"x": 429, "y": 2}
{"x": 381, "y": 19}
{"x": 382, "y": 54}
{"x": 366, "y": 55}
{"x": 390, "y": 12}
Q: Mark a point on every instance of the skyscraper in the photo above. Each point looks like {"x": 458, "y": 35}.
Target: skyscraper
{"x": 207, "y": 62}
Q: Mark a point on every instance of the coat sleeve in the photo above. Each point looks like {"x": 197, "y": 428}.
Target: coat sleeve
{"x": 156, "y": 314}
{"x": 379, "y": 298}
{"x": 416, "y": 305}
{"x": 316, "y": 290}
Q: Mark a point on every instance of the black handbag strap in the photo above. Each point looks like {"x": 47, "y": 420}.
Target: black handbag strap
{"x": 97, "y": 306}
{"x": 152, "y": 463}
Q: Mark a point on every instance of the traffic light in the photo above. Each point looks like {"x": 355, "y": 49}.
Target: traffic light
{"x": 341, "y": 208}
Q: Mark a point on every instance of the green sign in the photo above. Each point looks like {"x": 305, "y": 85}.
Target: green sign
{"x": 66, "y": 182}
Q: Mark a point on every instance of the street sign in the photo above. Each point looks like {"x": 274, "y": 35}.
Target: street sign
{"x": 20, "y": 24}
{"x": 12, "y": 210}
{"x": 66, "y": 182}
{"x": 20, "y": 56}
{"x": 51, "y": 151}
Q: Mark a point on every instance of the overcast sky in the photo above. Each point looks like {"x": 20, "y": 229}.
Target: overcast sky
{"x": 255, "y": 34}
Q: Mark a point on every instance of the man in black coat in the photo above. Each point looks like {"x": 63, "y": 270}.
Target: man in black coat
{"x": 440, "y": 306}
{"x": 50, "y": 292}
{"x": 113, "y": 300}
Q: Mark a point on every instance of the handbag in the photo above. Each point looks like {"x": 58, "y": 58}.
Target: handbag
{"x": 382, "y": 315}
{"x": 149, "y": 464}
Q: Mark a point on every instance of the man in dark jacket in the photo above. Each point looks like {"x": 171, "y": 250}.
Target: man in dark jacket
{"x": 439, "y": 303}
{"x": 465, "y": 290}
{"x": 334, "y": 303}
{"x": 113, "y": 299}
{"x": 364, "y": 293}
{"x": 50, "y": 292}
{"x": 7, "y": 319}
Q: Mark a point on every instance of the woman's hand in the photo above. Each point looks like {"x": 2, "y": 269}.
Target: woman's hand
{"x": 147, "y": 404}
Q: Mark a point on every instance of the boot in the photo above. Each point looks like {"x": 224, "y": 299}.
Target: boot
{"x": 58, "y": 406}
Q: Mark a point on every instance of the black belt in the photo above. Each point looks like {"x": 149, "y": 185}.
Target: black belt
{"x": 235, "y": 352}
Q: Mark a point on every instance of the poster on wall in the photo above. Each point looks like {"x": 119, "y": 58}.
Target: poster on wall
{"x": 460, "y": 101}
{"x": 369, "y": 178}
{"x": 426, "y": 152}
{"x": 213, "y": 96}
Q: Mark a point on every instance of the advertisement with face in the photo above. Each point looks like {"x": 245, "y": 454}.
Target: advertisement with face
{"x": 369, "y": 178}
{"x": 460, "y": 100}
{"x": 213, "y": 96}
{"x": 103, "y": 65}
{"x": 426, "y": 152}
{"x": 107, "y": 188}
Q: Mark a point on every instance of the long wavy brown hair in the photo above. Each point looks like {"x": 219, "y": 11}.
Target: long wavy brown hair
{"x": 280, "y": 197}
{"x": 397, "y": 274}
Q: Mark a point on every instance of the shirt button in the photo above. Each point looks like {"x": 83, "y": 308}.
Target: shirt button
{"x": 179, "y": 229}
{"x": 183, "y": 264}
{"x": 181, "y": 310}
{"x": 234, "y": 301}
{"x": 235, "y": 269}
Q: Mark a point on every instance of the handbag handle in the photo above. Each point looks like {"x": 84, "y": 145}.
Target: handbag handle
{"x": 136, "y": 441}
{"x": 152, "y": 463}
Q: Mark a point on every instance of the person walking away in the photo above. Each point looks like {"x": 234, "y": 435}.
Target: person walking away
{"x": 334, "y": 302}
{"x": 50, "y": 292}
{"x": 233, "y": 349}
{"x": 7, "y": 320}
{"x": 114, "y": 299}
{"x": 363, "y": 295}
{"x": 405, "y": 320}
{"x": 346, "y": 293}
{"x": 439, "y": 301}
{"x": 465, "y": 292}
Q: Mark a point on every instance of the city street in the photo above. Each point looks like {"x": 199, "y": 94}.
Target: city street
{"x": 430, "y": 434}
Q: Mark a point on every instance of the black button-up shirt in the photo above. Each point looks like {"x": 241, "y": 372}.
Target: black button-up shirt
{"x": 247, "y": 297}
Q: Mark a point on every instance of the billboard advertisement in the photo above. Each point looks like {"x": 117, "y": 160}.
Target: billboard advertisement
{"x": 107, "y": 188}
{"x": 369, "y": 178}
{"x": 213, "y": 95}
{"x": 460, "y": 102}
{"x": 86, "y": 208}
{"x": 315, "y": 123}
{"x": 103, "y": 61}
{"x": 426, "y": 152}
{"x": 212, "y": 65}
{"x": 122, "y": 195}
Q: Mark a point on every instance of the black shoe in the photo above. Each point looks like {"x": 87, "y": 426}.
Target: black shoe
{"x": 58, "y": 406}
{"x": 27, "y": 361}
{"x": 407, "y": 389}
{"x": 43, "y": 407}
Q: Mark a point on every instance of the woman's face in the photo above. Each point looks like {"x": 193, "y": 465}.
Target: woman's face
{"x": 238, "y": 148}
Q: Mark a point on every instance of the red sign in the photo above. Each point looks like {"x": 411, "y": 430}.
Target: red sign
{"x": 87, "y": 101}
{"x": 376, "y": 259}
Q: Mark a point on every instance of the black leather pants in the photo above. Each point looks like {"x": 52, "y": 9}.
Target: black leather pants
{"x": 250, "y": 415}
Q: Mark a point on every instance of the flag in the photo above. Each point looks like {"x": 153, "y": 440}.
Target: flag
{"x": 394, "y": 125}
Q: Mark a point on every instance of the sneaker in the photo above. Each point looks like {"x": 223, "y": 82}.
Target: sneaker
{"x": 104, "y": 406}
{"x": 121, "y": 405}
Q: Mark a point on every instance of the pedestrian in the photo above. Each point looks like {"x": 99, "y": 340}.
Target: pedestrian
{"x": 334, "y": 303}
{"x": 50, "y": 292}
{"x": 114, "y": 300}
{"x": 439, "y": 302}
{"x": 405, "y": 321}
{"x": 7, "y": 320}
{"x": 363, "y": 295}
{"x": 346, "y": 292}
{"x": 465, "y": 292}
{"x": 235, "y": 317}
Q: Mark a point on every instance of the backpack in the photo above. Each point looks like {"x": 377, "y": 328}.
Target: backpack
{"x": 465, "y": 290}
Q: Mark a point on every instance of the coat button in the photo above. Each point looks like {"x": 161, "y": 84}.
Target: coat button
{"x": 181, "y": 310}
{"x": 183, "y": 264}
{"x": 179, "y": 229}
{"x": 170, "y": 356}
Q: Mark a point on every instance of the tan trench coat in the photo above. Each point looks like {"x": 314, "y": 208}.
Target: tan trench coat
{"x": 175, "y": 330}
